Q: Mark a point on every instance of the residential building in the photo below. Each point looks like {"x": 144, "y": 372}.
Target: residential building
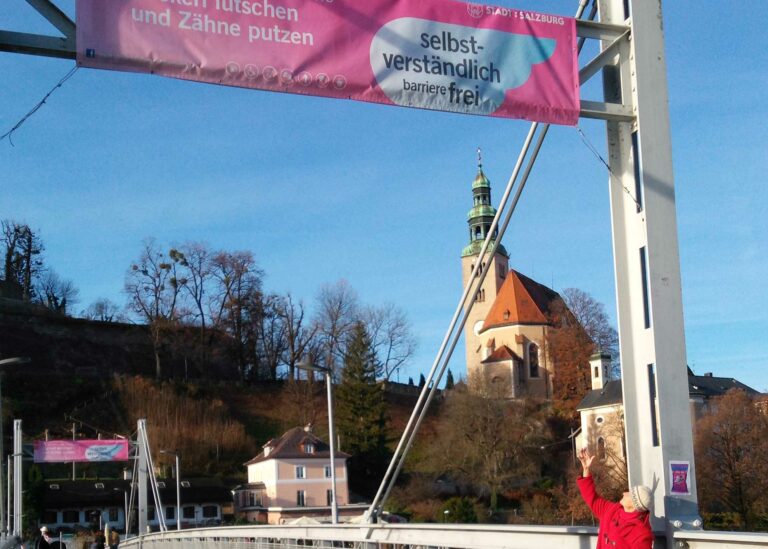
{"x": 601, "y": 410}
{"x": 75, "y": 504}
{"x": 291, "y": 478}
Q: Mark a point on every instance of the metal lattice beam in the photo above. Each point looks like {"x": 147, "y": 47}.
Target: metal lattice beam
{"x": 40, "y": 44}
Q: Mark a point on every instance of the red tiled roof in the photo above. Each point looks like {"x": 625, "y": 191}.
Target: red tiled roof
{"x": 291, "y": 446}
{"x": 501, "y": 354}
{"x": 521, "y": 300}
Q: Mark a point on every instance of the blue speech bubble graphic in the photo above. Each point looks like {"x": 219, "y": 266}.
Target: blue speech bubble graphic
{"x": 443, "y": 66}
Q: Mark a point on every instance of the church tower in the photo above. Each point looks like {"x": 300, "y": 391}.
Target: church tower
{"x": 479, "y": 219}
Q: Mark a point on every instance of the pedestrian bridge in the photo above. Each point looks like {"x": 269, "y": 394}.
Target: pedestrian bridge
{"x": 418, "y": 536}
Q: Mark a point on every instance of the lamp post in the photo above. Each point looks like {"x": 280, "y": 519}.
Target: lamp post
{"x": 178, "y": 486}
{"x": 329, "y": 385}
{"x": 5, "y": 362}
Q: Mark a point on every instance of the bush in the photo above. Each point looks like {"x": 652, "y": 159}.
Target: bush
{"x": 458, "y": 510}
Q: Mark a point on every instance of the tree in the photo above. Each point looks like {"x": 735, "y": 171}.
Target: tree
{"x": 361, "y": 414}
{"x": 196, "y": 264}
{"x": 337, "y": 315}
{"x": 484, "y": 439}
{"x": 422, "y": 381}
{"x": 570, "y": 348}
{"x": 732, "y": 458}
{"x": 55, "y": 292}
{"x": 153, "y": 285}
{"x": 391, "y": 338}
{"x": 103, "y": 310}
{"x": 22, "y": 256}
{"x": 449, "y": 383}
{"x": 592, "y": 317}
{"x": 297, "y": 334}
{"x": 237, "y": 293}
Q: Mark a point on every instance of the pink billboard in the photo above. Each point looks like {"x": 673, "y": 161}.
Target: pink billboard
{"x": 433, "y": 54}
{"x": 57, "y": 451}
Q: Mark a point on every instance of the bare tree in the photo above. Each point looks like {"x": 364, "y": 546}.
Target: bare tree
{"x": 732, "y": 458}
{"x": 337, "y": 312}
{"x": 238, "y": 288}
{"x": 103, "y": 310}
{"x": 592, "y": 317}
{"x": 196, "y": 260}
{"x": 298, "y": 333}
{"x": 55, "y": 292}
{"x": 391, "y": 338}
{"x": 484, "y": 439}
{"x": 153, "y": 285}
{"x": 266, "y": 334}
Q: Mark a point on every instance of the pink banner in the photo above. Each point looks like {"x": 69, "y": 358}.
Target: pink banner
{"x": 57, "y": 451}
{"x": 433, "y": 54}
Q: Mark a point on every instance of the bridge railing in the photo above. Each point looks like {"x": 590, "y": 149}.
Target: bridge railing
{"x": 419, "y": 536}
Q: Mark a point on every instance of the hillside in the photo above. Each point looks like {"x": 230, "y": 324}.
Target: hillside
{"x": 97, "y": 376}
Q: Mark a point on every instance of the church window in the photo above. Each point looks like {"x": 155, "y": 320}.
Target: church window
{"x": 533, "y": 360}
{"x": 601, "y": 449}
{"x": 597, "y": 372}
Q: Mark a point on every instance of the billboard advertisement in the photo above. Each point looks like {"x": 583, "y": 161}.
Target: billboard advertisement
{"x": 433, "y": 54}
{"x": 58, "y": 451}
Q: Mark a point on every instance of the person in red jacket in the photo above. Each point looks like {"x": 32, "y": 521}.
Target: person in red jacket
{"x": 623, "y": 525}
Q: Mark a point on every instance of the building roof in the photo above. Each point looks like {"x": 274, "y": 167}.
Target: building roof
{"x": 290, "y": 445}
{"x": 521, "y": 300}
{"x": 501, "y": 354}
{"x": 100, "y": 493}
{"x": 706, "y": 386}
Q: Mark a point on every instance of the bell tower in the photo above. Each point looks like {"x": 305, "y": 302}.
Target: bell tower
{"x": 479, "y": 219}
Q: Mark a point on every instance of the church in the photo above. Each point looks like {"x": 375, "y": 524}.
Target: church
{"x": 506, "y": 330}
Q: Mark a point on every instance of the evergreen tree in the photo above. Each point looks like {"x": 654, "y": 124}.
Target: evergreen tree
{"x": 449, "y": 380}
{"x": 410, "y": 381}
{"x": 361, "y": 414}
{"x": 422, "y": 381}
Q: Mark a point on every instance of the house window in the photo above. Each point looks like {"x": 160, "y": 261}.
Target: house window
{"x": 188, "y": 512}
{"x": 301, "y": 498}
{"x": 170, "y": 513}
{"x": 309, "y": 448}
{"x": 70, "y": 516}
{"x": 533, "y": 360}
{"x": 50, "y": 516}
{"x": 92, "y": 515}
{"x": 210, "y": 511}
{"x": 150, "y": 513}
{"x": 328, "y": 471}
{"x": 329, "y": 497}
{"x": 601, "y": 449}
{"x": 251, "y": 499}
{"x": 301, "y": 471}
{"x": 113, "y": 514}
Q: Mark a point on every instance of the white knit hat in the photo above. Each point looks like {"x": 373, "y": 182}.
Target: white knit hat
{"x": 642, "y": 498}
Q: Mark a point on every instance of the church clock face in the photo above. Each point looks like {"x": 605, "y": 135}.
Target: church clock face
{"x": 477, "y": 327}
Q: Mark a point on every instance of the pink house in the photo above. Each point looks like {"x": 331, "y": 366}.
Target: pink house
{"x": 291, "y": 478}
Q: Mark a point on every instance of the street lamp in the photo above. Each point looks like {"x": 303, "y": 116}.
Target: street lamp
{"x": 329, "y": 384}
{"x": 5, "y": 362}
{"x": 178, "y": 486}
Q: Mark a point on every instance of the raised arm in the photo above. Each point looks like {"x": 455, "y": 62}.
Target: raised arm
{"x": 587, "y": 485}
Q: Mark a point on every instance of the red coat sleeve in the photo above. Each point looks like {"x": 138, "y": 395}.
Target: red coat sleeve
{"x": 590, "y": 497}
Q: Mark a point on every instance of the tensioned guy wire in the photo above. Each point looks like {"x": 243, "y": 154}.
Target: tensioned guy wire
{"x": 34, "y": 109}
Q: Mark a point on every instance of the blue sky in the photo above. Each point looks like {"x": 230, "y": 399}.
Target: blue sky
{"x": 322, "y": 189}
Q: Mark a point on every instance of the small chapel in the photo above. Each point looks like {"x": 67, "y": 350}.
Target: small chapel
{"x": 506, "y": 330}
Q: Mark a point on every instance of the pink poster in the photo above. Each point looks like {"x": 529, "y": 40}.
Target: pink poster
{"x": 433, "y": 54}
{"x": 57, "y": 451}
